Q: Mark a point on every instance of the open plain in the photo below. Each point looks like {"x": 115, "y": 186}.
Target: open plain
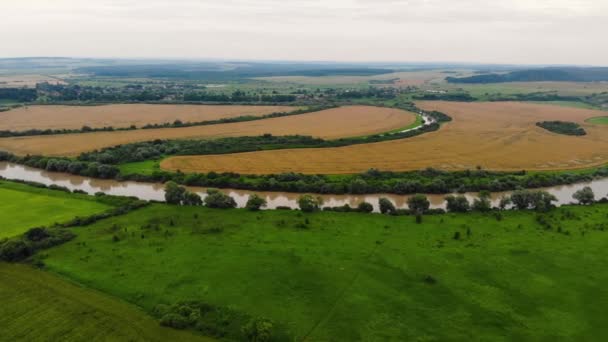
{"x": 493, "y": 135}
{"x": 123, "y": 115}
{"x": 329, "y": 124}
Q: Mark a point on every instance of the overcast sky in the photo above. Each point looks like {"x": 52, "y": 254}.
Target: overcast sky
{"x": 493, "y": 31}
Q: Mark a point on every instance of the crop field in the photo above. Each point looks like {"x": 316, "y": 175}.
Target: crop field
{"x": 23, "y": 207}
{"x": 493, "y": 135}
{"x": 123, "y": 115}
{"x": 38, "y": 306}
{"x": 333, "y": 123}
{"x": 27, "y": 81}
{"x": 402, "y": 78}
{"x": 349, "y": 277}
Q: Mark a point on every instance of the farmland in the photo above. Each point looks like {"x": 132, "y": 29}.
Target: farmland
{"x": 493, "y": 135}
{"x": 345, "y": 277}
{"x": 332, "y": 123}
{"x": 123, "y": 115}
{"x": 23, "y": 207}
{"x": 38, "y": 306}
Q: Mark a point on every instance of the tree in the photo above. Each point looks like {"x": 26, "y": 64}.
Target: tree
{"x": 483, "y": 203}
{"x": 457, "y": 204}
{"x": 358, "y": 186}
{"x": 365, "y": 207}
{"x": 521, "y": 199}
{"x": 418, "y": 203}
{"x": 309, "y": 203}
{"x": 255, "y": 202}
{"x": 505, "y": 201}
{"x": 542, "y": 200}
{"x": 584, "y": 196}
{"x": 174, "y": 194}
{"x": 190, "y": 198}
{"x": 217, "y": 199}
{"x": 537, "y": 200}
{"x": 386, "y": 206}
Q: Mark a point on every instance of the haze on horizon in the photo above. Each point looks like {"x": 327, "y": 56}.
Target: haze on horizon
{"x": 500, "y": 31}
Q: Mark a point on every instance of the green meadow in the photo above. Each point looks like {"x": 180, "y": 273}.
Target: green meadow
{"x": 349, "y": 276}
{"x": 39, "y": 306}
{"x": 600, "y": 120}
{"x": 23, "y": 207}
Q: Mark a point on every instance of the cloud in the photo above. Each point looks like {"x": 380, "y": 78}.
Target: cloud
{"x": 523, "y": 31}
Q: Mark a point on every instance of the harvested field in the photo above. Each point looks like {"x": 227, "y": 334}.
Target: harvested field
{"x": 330, "y": 124}
{"x": 122, "y": 115}
{"x": 494, "y": 135}
{"x": 27, "y": 81}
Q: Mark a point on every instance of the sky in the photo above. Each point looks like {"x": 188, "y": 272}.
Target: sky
{"x": 480, "y": 31}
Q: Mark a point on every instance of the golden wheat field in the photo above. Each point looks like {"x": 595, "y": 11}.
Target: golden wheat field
{"x": 329, "y": 124}
{"x": 123, "y": 115}
{"x": 493, "y": 135}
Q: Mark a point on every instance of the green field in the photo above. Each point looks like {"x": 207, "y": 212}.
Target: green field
{"x": 146, "y": 167}
{"x": 600, "y": 120}
{"x": 23, "y": 207}
{"x": 346, "y": 277}
{"x": 38, "y": 306}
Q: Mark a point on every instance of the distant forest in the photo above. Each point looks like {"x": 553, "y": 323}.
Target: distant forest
{"x": 539, "y": 75}
{"x": 214, "y": 73}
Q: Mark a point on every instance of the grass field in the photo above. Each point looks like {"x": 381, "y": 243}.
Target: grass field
{"x": 38, "y": 306}
{"x": 332, "y": 123}
{"x": 494, "y": 135}
{"x": 123, "y": 115}
{"x": 347, "y": 277}
{"x": 600, "y": 120}
{"x": 510, "y": 88}
{"x": 23, "y": 207}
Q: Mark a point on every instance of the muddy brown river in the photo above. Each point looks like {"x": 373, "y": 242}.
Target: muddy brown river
{"x": 155, "y": 191}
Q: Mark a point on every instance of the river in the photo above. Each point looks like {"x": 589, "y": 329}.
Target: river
{"x": 154, "y": 191}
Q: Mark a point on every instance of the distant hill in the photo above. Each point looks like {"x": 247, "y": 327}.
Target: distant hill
{"x": 539, "y": 75}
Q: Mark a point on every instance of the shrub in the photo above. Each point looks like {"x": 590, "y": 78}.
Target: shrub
{"x": 482, "y": 203}
{"x": 174, "y": 194}
{"x": 418, "y": 203}
{"x": 258, "y": 330}
{"x": 365, "y": 207}
{"x": 386, "y": 206}
{"x": 584, "y": 196}
{"x": 457, "y": 204}
{"x": 309, "y": 203}
{"x": 190, "y": 198}
{"x": 15, "y": 250}
{"x": 255, "y": 202}
{"x": 217, "y": 199}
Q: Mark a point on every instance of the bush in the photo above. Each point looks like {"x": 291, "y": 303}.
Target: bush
{"x": 584, "y": 196}
{"x": 258, "y": 330}
{"x": 418, "y": 203}
{"x": 482, "y": 203}
{"x": 219, "y": 200}
{"x": 457, "y": 204}
{"x": 309, "y": 203}
{"x": 174, "y": 194}
{"x": 15, "y": 250}
{"x": 365, "y": 207}
{"x": 36, "y": 234}
{"x": 386, "y": 206}
{"x": 255, "y": 203}
{"x": 190, "y": 198}
{"x": 175, "y": 321}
